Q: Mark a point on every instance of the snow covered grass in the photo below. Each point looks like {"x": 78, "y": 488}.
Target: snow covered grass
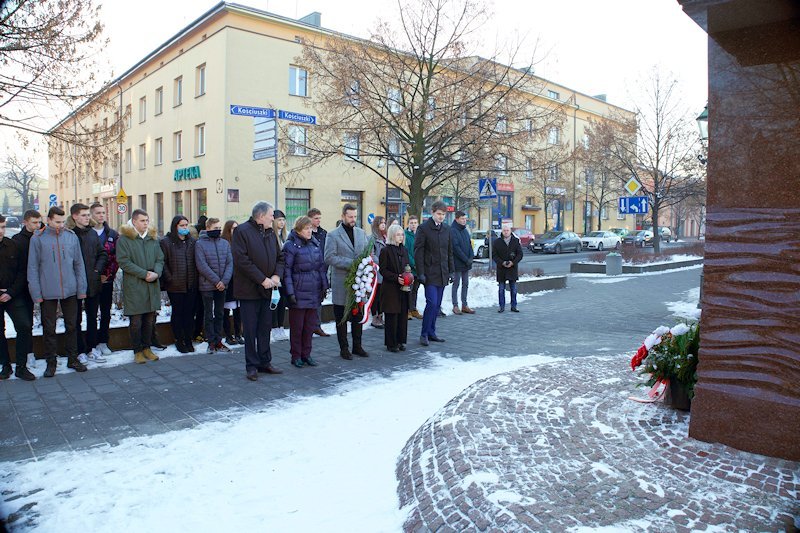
{"x": 603, "y": 278}
{"x": 318, "y": 464}
{"x": 687, "y": 309}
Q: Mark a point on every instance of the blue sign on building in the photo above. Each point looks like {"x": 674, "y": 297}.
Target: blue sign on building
{"x": 633, "y": 205}
{"x": 250, "y": 111}
{"x": 296, "y": 117}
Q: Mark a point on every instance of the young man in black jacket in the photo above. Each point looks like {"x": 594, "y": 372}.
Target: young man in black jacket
{"x": 13, "y": 288}
{"x": 319, "y": 232}
{"x": 95, "y": 258}
{"x": 507, "y": 253}
{"x": 108, "y": 239}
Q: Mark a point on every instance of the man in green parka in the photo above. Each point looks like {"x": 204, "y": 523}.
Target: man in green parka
{"x": 141, "y": 260}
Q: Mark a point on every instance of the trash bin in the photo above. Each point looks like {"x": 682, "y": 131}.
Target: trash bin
{"x": 613, "y": 264}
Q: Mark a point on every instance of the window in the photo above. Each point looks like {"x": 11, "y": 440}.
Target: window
{"x": 528, "y": 169}
{"x": 553, "y": 136}
{"x": 159, "y": 214}
{"x": 159, "y": 151}
{"x": 200, "y": 80}
{"x": 354, "y": 198}
{"x": 128, "y": 112}
{"x": 115, "y": 167}
{"x": 297, "y": 140}
{"x": 354, "y": 93}
{"x": 298, "y": 202}
{"x": 200, "y": 139}
{"x": 430, "y": 112}
{"x": 143, "y": 202}
{"x": 177, "y": 203}
{"x": 128, "y": 160}
{"x": 142, "y": 109}
{"x": 201, "y": 197}
{"x": 586, "y": 142}
{"x": 298, "y": 81}
{"x": 142, "y": 156}
{"x": 604, "y": 213}
{"x": 393, "y": 101}
{"x": 177, "y": 92}
{"x": 159, "y": 101}
{"x": 552, "y": 94}
{"x": 502, "y": 124}
{"x": 177, "y": 149}
{"x": 394, "y": 148}
{"x": 552, "y": 172}
{"x": 501, "y": 163}
{"x": 351, "y": 145}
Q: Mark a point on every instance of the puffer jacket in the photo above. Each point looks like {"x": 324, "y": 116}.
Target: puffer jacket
{"x": 137, "y": 256}
{"x": 214, "y": 261}
{"x": 55, "y": 265}
{"x": 304, "y": 274}
{"x": 180, "y": 270}
{"x": 409, "y": 244}
{"x": 94, "y": 254}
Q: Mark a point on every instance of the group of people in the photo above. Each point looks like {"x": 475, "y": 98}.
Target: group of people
{"x": 247, "y": 272}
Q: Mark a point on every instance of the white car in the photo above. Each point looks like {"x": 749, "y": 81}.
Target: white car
{"x": 601, "y": 240}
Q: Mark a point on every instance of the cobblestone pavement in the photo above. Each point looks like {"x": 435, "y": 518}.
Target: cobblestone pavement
{"x": 560, "y": 447}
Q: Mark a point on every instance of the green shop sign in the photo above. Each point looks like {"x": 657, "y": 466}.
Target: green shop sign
{"x": 189, "y": 173}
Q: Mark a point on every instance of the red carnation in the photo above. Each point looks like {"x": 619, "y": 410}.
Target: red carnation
{"x": 637, "y": 359}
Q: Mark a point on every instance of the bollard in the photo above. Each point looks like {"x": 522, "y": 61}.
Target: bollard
{"x": 613, "y": 264}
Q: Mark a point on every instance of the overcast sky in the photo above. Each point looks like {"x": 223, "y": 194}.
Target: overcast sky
{"x": 591, "y": 46}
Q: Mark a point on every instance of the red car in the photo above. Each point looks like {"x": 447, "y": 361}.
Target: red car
{"x": 524, "y": 235}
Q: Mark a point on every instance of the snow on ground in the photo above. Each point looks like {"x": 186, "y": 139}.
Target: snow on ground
{"x": 603, "y": 278}
{"x": 677, "y": 258}
{"x": 315, "y": 464}
{"x": 687, "y": 308}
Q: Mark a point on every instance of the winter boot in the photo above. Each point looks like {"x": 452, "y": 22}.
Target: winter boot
{"x": 23, "y": 373}
{"x": 75, "y": 364}
{"x": 50, "y": 371}
{"x": 357, "y": 349}
{"x": 341, "y": 336}
{"x": 149, "y": 355}
{"x": 6, "y": 372}
{"x": 139, "y": 358}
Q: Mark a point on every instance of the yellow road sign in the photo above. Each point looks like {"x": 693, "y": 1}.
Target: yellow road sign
{"x": 122, "y": 198}
{"x": 633, "y": 186}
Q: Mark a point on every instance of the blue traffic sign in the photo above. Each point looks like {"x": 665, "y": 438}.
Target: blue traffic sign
{"x": 370, "y": 218}
{"x": 249, "y": 111}
{"x": 487, "y": 188}
{"x": 296, "y": 117}
{"x": 53, "y": 201}
{"x": 633, "y": 205}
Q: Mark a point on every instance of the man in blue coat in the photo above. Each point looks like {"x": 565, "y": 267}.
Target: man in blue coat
{"x": 462, "y": 260}
{"x": 433, "y": 256}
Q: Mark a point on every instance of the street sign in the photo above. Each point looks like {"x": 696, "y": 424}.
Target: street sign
{"x": 370, "y": 218}
{"x": 122, "y": 198}
{"x": 53, "y": 201}
{"x": 487, "y": 188}
{"x": 250, "y": 111}
{"x": 122, "y": 208}
{"x": 296, "y": 117}
{"x": 633, "y": 205}
{"x": 633, "y": 186}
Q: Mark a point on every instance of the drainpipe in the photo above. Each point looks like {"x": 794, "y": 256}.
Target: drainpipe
{"x": 574, "y": 148}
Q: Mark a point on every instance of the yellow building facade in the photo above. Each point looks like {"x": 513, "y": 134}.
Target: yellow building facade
{"x": 194, "y": 137}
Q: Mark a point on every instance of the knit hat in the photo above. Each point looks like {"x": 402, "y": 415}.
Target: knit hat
{"x": 279, "y": 214}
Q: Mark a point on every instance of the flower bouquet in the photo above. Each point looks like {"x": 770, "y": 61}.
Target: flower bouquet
{"x": 360, "y": 284}
{"x": 668, "y": 357}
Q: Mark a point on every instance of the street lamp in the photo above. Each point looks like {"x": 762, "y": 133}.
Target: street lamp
{"x": 381, "y": 163}
{"x": 585, "y": 175}
{"x": 702, "y": 124}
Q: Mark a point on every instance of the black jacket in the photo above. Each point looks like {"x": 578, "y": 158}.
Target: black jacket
{"x": 95, "y": 258}
{"x": 462, "y": 247}
{"x": 256, "y": 256}
{"x": 13, "y": 268}
{"x": 180, "y": 272}
{"x": 433, "y": 253}
{"x": 393, "y": 261}
{"x": 511, "y": 252}
{"x": 321, "y": 234}
{"x": 23, "y": 242}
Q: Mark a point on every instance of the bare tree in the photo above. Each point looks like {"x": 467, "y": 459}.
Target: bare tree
{"x": 23, "y": 178}
{"x": 419, "y": 98}
{"x": 658, "y": 147}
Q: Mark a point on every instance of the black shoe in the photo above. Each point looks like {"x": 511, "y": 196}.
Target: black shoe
{"x": 500, "y": 310}
{"x": 401, "y": 347}
{"x": 23, "y": 373}
{"x": 158, "y": 346}
{"x": 181, "y": 346}
{"x": 50, "y": 371}
{"x": 309, "y": 362}
{"x": 239, "y": 339}
{"x": 358, "y": 350}
{"x": 231, "y": 340}
{"x": 76, "y": 365}
{"x": 6, "y": 372}
{"x": 424, "y": 341}
{"x": 441, "y": 313}
{"x": 393, "y": 349}
{"x": 297, "y": 362}
{"x": 434, "y": 338}
{"x": 514, "y": 310}
{"x": 269, "y": 369}
{"x": 345, "y": 353}
{"x": 252, "y": 375}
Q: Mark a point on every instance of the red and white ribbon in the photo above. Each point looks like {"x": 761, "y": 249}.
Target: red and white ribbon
{"x": 368, "y": 303}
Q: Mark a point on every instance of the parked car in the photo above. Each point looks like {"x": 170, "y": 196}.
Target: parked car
{"x": 13, "y": 222}
{"x": 640, "y": 238}
{"x": 600, "y": 240}
{"x": 621, "y": 232}
{"x": 524, "y": 235}
{"x": 479, "y": 247}
{"x": 664, "y": 231}
{"x": 556, "y": 242}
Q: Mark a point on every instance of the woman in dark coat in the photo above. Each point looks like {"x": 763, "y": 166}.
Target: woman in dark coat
{"x": 305, "y": 282}
{"x": 379, "y": 234}
{"x": 392, "y": 263}
{"x": 179, "y": 279}
{"x": 233, "y": 332}
{"x": 507, "y": 253}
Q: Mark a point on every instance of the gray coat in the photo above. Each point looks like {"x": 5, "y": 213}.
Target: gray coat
{"x": 339, "y": 255}
{"x": 214, "y": 261}
{"x": 55, "y": 265}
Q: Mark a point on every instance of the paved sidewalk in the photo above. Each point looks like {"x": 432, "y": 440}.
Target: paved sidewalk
{"x": 106, "y": 405}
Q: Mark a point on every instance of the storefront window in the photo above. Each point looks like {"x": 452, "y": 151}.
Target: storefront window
{"x": 202, "y": 202}
{"x": 355, "y": 198}
{"x": 298, "y": 202}
{"x": 177, "y": 203}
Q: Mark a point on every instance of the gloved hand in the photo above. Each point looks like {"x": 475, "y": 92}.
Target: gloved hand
{"x": 421, "y": 279}
{"x": 292, "y": 299}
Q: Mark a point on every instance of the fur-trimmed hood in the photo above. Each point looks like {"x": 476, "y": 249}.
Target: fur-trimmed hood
{"x": 127, "y": 230}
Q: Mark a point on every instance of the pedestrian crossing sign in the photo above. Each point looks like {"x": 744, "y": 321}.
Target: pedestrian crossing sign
{"x": 487, "y": 188}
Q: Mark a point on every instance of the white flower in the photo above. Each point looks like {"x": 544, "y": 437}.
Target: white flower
{"x": 651, "y": 341}
{"x": 680, "y": 329}
{"x": 355, "y": 286}
{"x": 365, "y": 261}
{"x": 660, "y": 330}
{"x": 358, "y": 299}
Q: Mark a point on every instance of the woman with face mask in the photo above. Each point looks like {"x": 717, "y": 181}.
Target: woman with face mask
{"x": 179, "y": 279}
{"x": 215, "y": 270}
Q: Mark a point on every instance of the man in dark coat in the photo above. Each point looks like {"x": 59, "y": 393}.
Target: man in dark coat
{"x": 433, "y": 256}
{"x": 95, "y": 258}
{"x": 320, "y": 234}
{"x": 258, "y": 269}
{"x": 507, "y": 253}
{"x": 13, "y": 285}
{"x": 462, "y": 260}
{"x": 32, "y": 222}
{"x": 108, "y": 239}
